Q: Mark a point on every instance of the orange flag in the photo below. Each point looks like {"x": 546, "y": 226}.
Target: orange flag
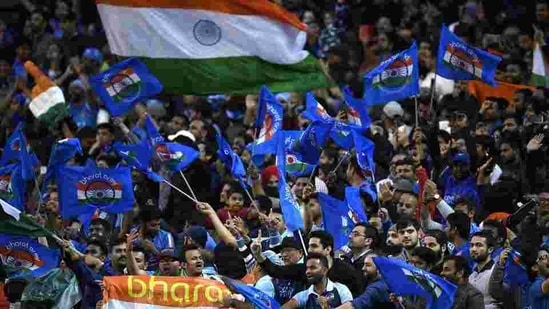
{"x": 507, "y": 91}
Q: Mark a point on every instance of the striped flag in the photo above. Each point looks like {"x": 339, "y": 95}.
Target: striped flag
{"x": 205, "y": 47}
{"x": 48, "y": 101}
{"x": 539, "y": 71}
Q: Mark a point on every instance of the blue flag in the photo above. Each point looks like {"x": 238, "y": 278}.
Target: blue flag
{"x": 61, "y": 152}
{"x": 12, "y": 185}
{"x": 124, "y": 84}
{"x": 394, "y": 79}
{"x": 27, "y": 168}
{"x": 405, "y": 279}
{"x": 152, "y": 131}
{"x": 354, "y": 203}
{"x": 364, "y": 151}
{"x": 85, "y": 190}
{"x": 458, "y": 61}
{"x": 515, "y": 272}
{"x": 314, "y": 111}
{"x": 174, "y": 156}
{"x": 24, "y": 257}
{"x": 289, "y": 206}
{"x": 341, "y": 134}
{"x": 252, "y": 295}
{"x": 338, "y": 219}
{"x": 13, "y": 152}
{"x": 229, "y": 158}
{"x": 312, "y": 140}
{"x": 357, "y": 113}
{"x": 139, "y": 157}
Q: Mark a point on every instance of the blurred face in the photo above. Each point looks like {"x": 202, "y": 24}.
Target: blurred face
{"x": 315, "y": 246}
{"x": 168, "y": 266}
{"x": 462, "y": 207}
{"x": 460, "y": 170}
{"x": 52, "y": 204}
{"x": 314, "y": 206}
{"x": 449, "y": 272}
{"x": 23, "y": 52}
{"x": 140, "y": 260}
{"x": 118, "y": 255}
{"x": 542, "y": 12}
{"x": 479, "y": 250}
{"x": 370, "y": 269}
{"x": 393, "y": 238}
{"x": 458, "y": 121}
{"x": 404, "y": 171}
{"x": 97, "y": 230}
{"x": 506, "y": 152}
{"x": 193, "y": 263}
{"x": 406, "y": 207}
{"x": 432, "y": 243}
{"x": 418, "y": 262}
{"x": 325, "y": 160}
{"x": 53, "y": 52}
{"x": 299, "y": 185}
{"x": 73, "y": 231}
{"x": 315, "y": 271}
{"x": 408, "y": 237}
{"x": 357, "y": 238}
{"x": 37, "y": 21}
{"x": 197, "y": 128}
{"x": 95, "y": 251}
{"x": 235, "y": 202}
{"x": 153, "y": 226}
{"x": 104, "y": 136}
{"x": 290, "y": 256}
{"x": 543, "y": 262}
{"x": 61, "y": 9}
{"x": 177, "y": 123}
{"x": 278, "y": 222}
{"x": 223, "y": 196}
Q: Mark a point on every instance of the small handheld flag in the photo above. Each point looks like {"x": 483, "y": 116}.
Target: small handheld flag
{"x": 458, "y": 61}
{"x": 394, "y": 79}
{"x": 23, "y": 257}
{"x": 124, "y": 84}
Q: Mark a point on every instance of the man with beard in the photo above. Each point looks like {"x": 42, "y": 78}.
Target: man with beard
{"x": 81, "y": 111}
{"x": 437, "y": 241}
{"x": 192, "y": 262}
{"x": 117, "y": 256}
{"x": 376, "y": 295}
{"x": 408, "y": 233}
{"x": 362, "y": 240}
{"x": 323, "y": 293}
{"x": 456, "y": 270}
{"x": 482, "y": 245}
{"x": 152, "y": 238}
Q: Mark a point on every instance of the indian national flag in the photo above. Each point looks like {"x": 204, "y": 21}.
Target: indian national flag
{"x": 539, "y": 76}
{"x": 459, "y": 59}
{"x": 397, "y": 73}
{"x": 48, "y": 102}
{"x": 221, "y": 46}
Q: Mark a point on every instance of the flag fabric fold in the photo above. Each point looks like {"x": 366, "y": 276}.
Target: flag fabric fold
{"x": 405, "y": 279}
{"x": 458, "y": 61}
{"x": 12, "y": 185}
{"x": 357, "y": 110}
{"x": 124, "y": 84}
{"x": 252, "y": 295}
{"x": 269, "y": 123}
{"x": 61, "y": 152}
{"x": 311, "y": 141}
{"x": 86, "y": 189}
{"x": 223, "y": 46}
{"x": 394, "y": 79}
{"x": 364, "y": 149}
{"x": 339, "y": 220}
{"x": 288, "y": 204}
{"x": 231, "y": 160}
{"x": 138, "y": 156}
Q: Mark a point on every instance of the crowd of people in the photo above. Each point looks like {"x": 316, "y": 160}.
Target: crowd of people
{"x": 484, "y": 157}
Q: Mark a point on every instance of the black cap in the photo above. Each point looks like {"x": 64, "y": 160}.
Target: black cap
{"x": 290, "y": 242}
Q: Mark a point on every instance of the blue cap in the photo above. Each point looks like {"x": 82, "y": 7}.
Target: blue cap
{"x": 461, "y": 157}
{"x": 19, "y": 98}
{"x": 93, "y": 54}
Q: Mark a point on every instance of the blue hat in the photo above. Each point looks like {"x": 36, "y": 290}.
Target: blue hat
{"x": 93, "y": 54}
{"x": 461, "y": 157}
{"x": 19, "y": 98}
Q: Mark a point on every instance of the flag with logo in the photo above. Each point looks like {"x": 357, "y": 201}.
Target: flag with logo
{"x": 310, "y": 143}
{"x": 25, "y": 159}
{"x": 295, "y": 166}
{"x": 12, "y": 185}
{"x": 231, "y": 160}
{"x": 342, "y": 134}
{"x": 357, "y": 110}
{"x": 175, "y": 156}
{"x": 24, "y": 257}
{"x": 269, "y": 123}
{"x": 515, "y": 272}
{"x": 339, "y": 220}
{"x": 86, "y": 190}
{"x": 255, "y": 297}
{"x": 405, "y": 279}
{"x": 314, "y": 111}
{"x": 394, "y": 79}
{"x": 152, "y": 131}
{"x": 364, "y": 149}
{"x": 354, "y": 203}
{"x": 61, "y": 152}
{"x": 458, "y": 61}
{"x": 124, "y": 84}
{"x": 288, "y": 204}
{"x": 139, "y": 157}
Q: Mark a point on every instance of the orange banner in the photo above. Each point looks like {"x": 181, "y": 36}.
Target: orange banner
{"x": 143, "y": 291}
{"x": 507, "y": 91}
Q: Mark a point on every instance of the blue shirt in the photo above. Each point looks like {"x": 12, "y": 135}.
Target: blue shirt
{"x": 463, "y": 251}
{"x": 376, "y": 293}
{"x": 88, "y": 282}
{"x": 343, "y": 291}
{"x": 162, "y": 240}
{"x": 536, "y": 298}
{"x": 83, "y": 115}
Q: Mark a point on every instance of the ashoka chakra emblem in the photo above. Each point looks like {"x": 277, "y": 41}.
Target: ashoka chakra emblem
{"x": 207, "y": 32}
